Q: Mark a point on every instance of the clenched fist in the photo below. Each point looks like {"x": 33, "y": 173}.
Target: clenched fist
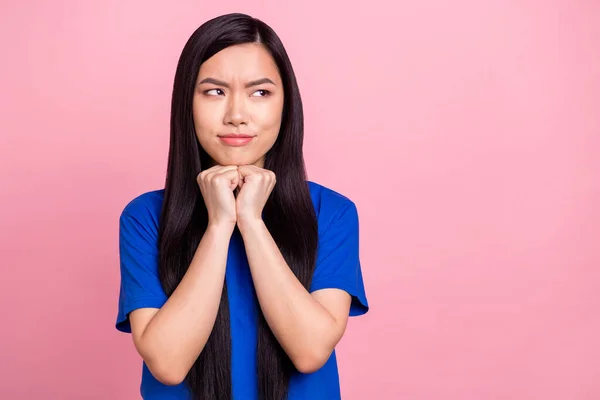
{"x": 253, "y": 186}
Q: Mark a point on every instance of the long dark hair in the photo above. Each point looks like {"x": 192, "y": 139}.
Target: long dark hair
{"x": 288, "y": 214}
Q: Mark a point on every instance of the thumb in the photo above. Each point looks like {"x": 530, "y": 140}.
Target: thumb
{"x": 240, "y": 180}
{"x": 234, "y": 182}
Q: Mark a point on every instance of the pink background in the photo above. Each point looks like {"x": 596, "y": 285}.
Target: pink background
{"x": 467, "y": 132}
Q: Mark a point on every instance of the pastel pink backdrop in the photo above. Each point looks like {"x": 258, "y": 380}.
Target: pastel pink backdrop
{"x": 467, "y": 132}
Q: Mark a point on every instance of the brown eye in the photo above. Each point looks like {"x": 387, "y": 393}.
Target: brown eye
{"x": 263, "y": 93}
{"x": 208, "y": 92}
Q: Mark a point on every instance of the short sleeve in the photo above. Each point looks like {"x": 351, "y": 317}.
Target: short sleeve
{"x": 138, "y": 253}
{"x": 338, "y": 262}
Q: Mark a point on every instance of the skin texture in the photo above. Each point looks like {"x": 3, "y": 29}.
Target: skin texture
{"x": 235, "y": 189}
{"x": 254, "y": 110}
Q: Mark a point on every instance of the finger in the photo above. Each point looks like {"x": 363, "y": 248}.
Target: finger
{"x": 230, "y": 175}
{"x": 220, "y": 169}
{"x": 240, "y": 180}
{"x": 235, "y": 182}
{"x": 203, "y": 174}
{"x": 248, "y": 170}
{"x": 215, "y": 168}
{"x": 273, "y": 182}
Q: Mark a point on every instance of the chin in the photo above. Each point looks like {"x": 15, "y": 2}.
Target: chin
{"x": 236, "y": 160}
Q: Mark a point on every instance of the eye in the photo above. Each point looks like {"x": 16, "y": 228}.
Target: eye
{"x": 219, "y": 92}
{"x": 263, "y": 92}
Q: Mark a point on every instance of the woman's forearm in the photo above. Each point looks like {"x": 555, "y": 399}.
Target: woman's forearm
{"x": 304, "y": 328}
{"x": 177, "y": 333}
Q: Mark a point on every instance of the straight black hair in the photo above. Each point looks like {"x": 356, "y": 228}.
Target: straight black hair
{"x": 288, "y": 214}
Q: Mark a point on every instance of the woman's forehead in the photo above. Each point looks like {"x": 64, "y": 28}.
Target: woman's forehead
{"x": 246, "y": 61}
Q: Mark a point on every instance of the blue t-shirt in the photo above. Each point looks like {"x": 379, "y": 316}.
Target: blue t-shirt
{"x": 337, "y": 266}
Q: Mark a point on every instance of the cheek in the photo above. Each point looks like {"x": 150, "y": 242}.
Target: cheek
{"x": 205, "y": 118}
{"x": 270, "y": 116}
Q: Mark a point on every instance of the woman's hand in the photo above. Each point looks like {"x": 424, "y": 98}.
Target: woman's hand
{"x": 217, "y": 185}
{"x": 256, "y": 185}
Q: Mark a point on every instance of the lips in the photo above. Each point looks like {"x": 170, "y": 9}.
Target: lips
{"x": 235, "y": 139}
{"x": 236, "y": 136}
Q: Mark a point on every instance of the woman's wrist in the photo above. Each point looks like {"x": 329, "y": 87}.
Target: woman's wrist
{"x": 220, "y": 228}
{"x": 248, "y": 224}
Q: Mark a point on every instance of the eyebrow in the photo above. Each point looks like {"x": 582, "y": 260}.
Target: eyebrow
{"x": 225, "y": 84}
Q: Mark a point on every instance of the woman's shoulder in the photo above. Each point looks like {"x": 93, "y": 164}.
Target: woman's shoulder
{"x": 327, "y": 194}
{"x": 328, "y": 202}
{"x": 144, "y": 206}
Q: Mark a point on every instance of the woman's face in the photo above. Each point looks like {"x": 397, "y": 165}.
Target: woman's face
{"x": 238, "y": 91}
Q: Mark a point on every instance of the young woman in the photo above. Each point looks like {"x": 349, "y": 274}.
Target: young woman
{"x": 237, "y": 278}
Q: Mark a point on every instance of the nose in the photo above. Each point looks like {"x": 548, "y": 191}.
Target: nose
{"x": 237, "y": 112}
